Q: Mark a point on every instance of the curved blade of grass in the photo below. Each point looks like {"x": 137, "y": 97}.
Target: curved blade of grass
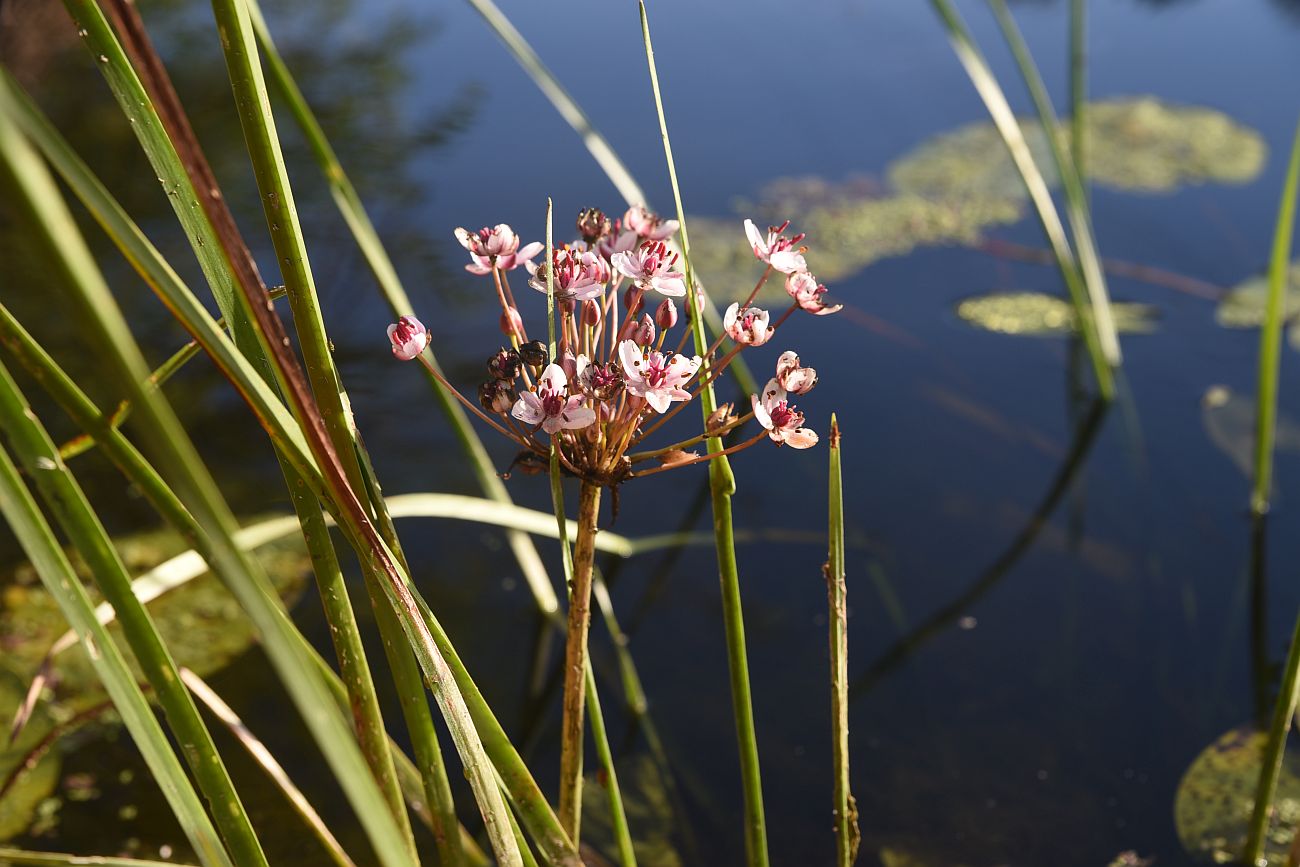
{"x": 1270, "y": 336}
{"x": 1008, "y": 127}
{"x": 1076, "y": 196}
{"x": 134, "y": 99}
{"x": 39, "y": 456}
{"x": 273, "y": 768}
{"x": 106, "y": 329}
{"x": 595, "y": 143}
{"x": 19, "y": 858}
{"x": 845, "y": 809}
{"x": 1270, "y": 348}
{"x": 722, "y": 485}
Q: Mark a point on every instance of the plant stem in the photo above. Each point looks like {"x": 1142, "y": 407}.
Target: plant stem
{"x": 1270, "y": 335}
{"x": 575, "y": 660}
{"x": 847, "y": 835}
{"x": 1272, "y": 759}
{"x": 722, "y": 484}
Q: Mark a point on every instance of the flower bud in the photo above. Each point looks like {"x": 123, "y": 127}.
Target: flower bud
{"x": 512, "y": 323}
{"x": 666, "y": 314}
{"x": 534, "y": 353}
{"x": 591, "y": 313}
{"x": 569, "y": 364}
{"x": 494, "y": 396}
{"x": 633, "y": 300}
{"x": 504, "y": 365}
{"x": 592, "y": 224}
{"x": 645, "y": 333}
{"x": 408, "y": 337}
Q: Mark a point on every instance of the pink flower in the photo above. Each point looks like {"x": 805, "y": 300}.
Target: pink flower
{"x": 580, "y": 275}
{"x": 647, "y": 224}
{"x": 498, "y": 246}
{"x": 656, "y": 377}
{"x": 807, "y": 293}
{"x": 551, "y": 406}
{"x": 783, "y": 423}
{"x": 650, "y": 266}
{"x": 792, "y": 377}
{"x": 617, "y": 240}
{"x": 748, "y": 327}
{"x": 775, "y": 249}
{"x": 599, "y": 381}
{"x": 409, "y": 338}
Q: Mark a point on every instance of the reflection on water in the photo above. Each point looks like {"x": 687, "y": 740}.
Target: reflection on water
{"x": 1052, "y": 614}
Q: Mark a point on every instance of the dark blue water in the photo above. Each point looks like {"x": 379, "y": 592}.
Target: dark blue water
{"x": 1050, "y": 671}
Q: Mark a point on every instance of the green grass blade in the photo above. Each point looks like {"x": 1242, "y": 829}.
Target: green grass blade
{"x": 845, "y": 810}
{"x": 19, "y": 858}
{"x": 1270, "y": 337}
{"x": 39, "y": 456}
{"x": 1008, "y": 127}
{"x": 268, "y": 763}
{"x": 1079, "y": 88}
{"x": 107, "y": 331}
{"x": 600, "y": 740}
{"x": 1076, "y": 196}
{"x": 722, "y": 485}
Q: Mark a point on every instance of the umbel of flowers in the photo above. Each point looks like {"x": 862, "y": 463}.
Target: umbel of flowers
{"x": 619, "y": 373}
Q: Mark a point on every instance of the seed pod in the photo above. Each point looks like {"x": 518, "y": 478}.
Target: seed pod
{"x": 592, "y": 224}
{"x": 534, "y": 353}
{"x": 504, "y": 365}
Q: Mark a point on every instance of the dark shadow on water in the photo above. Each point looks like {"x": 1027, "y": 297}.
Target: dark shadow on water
{"x": 1084, "y": 437}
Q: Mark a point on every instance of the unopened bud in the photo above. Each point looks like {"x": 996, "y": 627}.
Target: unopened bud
{"x": 512, "y": 323}
{"x": 666, "y": 314}
{"x": 633, "y": 300}
{"x": 591, "y": 313}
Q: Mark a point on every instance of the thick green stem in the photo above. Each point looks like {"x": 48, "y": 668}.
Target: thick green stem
{"x": 575, "y": 661}
{"x": 845, "y": 810}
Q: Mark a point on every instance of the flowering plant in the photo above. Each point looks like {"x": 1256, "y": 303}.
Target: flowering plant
{"x": 614, "y": 374}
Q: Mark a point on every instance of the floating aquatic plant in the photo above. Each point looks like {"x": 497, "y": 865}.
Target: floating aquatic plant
{"x": 1138, "y": 144}
{"x": 1037, "y": 314}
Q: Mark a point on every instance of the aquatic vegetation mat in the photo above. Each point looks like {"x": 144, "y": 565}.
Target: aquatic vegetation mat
{"x": 1037, "y": 314}
{"x": 1215, "y": 797}
{"x": 1138, "y": 144}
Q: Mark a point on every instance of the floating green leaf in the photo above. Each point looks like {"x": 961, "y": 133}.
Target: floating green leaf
{"x": 201, "y": 622}
{"x": 1138, "y": 144}
{"x": 1216, "y": 795}
{"x": 1037, "y": 314}
{"x": 1243, "y": 306}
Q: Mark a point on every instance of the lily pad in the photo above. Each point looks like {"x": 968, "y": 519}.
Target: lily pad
{"x": 200, "y": 621}
{"x": 1217, "y": 794}
{"x": 1037, "y": 314}
{"x": 1229, "y": 422}
{"x": 1243, "y": 306}
{"x": 1139, "y": 144}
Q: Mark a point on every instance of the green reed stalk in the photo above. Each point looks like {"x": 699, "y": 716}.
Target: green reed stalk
{"x": 845, "y": 809}
{"x": 19, "y": 858}
{"x": 38, "y": 541}
{"x": 1072, "y": 184}
{"x": 344, "y": 633}
{"x": 986, "y": 85}
{"x": 722, "y": 484}
{"x": 73, "y": 266}
{"x": 273, "y": 768}
{"x": 1270, "y": 336}
{"x": 614, "y": 795}
{"x": 38, "y": 454}
{"x": 1079, "y": 88}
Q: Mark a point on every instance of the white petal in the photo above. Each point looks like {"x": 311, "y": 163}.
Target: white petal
{"x": 673, "y": 287}
{"x": 553, "y": 378}
{"x": 760, "y": 412}
{"x": 466, "y": 238}
{"x": 577, "y": 417}
{"x": 788, "y": 262}
{"x": 756, "y": 241}
{"x": 658, "y": 399}
{"x": 801, "y": 438}
{"x": 528, "y": 409}
{"x": 729, "y": 318}
{"x": 633, "y": 361}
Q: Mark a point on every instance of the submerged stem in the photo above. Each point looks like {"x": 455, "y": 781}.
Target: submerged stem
{"x": 575, "y": 660}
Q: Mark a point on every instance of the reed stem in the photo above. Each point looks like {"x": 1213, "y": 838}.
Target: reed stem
{"x": 847, "y": 835}
{"x": 575, "y": 660}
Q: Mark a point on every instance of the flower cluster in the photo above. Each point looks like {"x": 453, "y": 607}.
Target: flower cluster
{"x": 617, "y": 374}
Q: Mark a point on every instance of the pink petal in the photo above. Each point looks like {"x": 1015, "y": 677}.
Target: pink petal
{"x": 553, "y": 379}
{"x": 671, "y": 285}
{"x": 528, "y": 409}
{"x": 788, "y": 262}
{"x": 801, "y": 438}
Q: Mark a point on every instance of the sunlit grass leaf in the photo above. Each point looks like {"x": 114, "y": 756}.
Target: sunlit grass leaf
{"x": 34, "y": 784}
{"x": 1214, "y": 799}
{"x": 201, "y": 622}
{"x": 1138, "y": 144}
{"x": 1229, "y": 422}
{"x": 1037, "y": 314}
{"x": 1243, "y": 306}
